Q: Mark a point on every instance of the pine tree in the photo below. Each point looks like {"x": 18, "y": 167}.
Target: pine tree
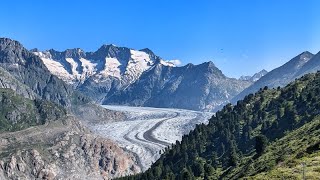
{"x": 261, "y": 144}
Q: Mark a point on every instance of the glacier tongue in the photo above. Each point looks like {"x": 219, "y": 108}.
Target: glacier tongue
{"x": 147, "y": 130}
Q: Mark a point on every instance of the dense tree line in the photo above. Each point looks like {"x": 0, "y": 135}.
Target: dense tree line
{"x": 211, "y": 151}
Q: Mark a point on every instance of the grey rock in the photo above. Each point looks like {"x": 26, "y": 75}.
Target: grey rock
{"x": 63, "y": 149}
{"x": 284, "y": 74}
{"x": 27, "y": 71}
{"x": 197, "y": 87}
{"x": 254, "y": 77}
{"x": 10, "y": 82}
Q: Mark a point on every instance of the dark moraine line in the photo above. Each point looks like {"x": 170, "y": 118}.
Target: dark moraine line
{"x": 134, "y": 141}
{"x": 148, "y": 134}
{"x": 146, "y": 141}
{"x": 139, "y": 162}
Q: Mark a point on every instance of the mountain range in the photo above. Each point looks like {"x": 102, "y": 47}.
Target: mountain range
{"x": 303, "y": 63}
{"x": 120, "y": 75}
{"x": 41, "y": 124}
{"x": 254, "y": 77}
{"x": 124, "y": 76}
{"x": 196, "y": 87}
{"x": 47, "y": 97}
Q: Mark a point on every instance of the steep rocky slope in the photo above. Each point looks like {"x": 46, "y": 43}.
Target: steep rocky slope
{"x": 254, "y": 77}
{"x": 39, "y": 140}
{"x": 40, "y": 137}
{"x": 312, "y": 66}
{"x": 119, "y": 75}
{"x": 197, "y": 87}
{"x": 102, "y": 72}
{"x": 18, "y": 113}
{"x": 61, "y": 149}
{"x": 282, "y": 75}
{"x": 10, "y": 82}
{"x": 29, "y": 70}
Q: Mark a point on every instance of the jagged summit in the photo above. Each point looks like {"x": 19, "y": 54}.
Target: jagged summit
{"x": 254, "y": 77}
{"x": 281, "y": 76}
{"x": 147, "y": 50}
{"x": 8, "y": 40}
{"x": 306, "y": 52}
{"x": 7, "y": 44}
{"x": 111, "y": 69}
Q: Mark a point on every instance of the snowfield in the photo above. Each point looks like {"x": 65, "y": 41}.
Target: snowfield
{"x": 149, "y": 130}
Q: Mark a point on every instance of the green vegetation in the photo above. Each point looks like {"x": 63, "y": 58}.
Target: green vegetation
{"x": 273, "y": 134}
{"x": 17, "y": 112}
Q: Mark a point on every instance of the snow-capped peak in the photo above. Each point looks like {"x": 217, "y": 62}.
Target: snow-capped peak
{"x": 254, "y": 77}
{"x": 75, "y": 66}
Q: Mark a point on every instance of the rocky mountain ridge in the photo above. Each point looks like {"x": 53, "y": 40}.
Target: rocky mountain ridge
{"x": 303, "y": 63}
{"x": 254, "y": 77}
{"x": 119, "y": 75}
{"x": 197, "y": 87}
{"x": 62, "y": 149}
{"x": 22, "y": 67}
{"x": 41, "y": 117}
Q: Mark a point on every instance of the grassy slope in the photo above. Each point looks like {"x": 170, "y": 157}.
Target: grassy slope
{"x": 286, "y": 156}
{"x": 288, "y": 117}
{"x": 17, "y": 112}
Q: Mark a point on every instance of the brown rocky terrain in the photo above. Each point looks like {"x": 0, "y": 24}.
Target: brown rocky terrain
{"x": 62, "y": 149}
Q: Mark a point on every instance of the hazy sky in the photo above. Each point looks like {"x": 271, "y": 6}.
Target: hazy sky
{"x": 240, "y": 37}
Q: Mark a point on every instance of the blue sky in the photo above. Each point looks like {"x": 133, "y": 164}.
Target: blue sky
{"x": 240, "y": 37}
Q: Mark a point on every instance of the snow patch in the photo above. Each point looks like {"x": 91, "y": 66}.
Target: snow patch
{"x": 111, "y": 68}
{"x": 173, "y": 63}
{"x": 101, "y": 70}
{"x": 55, "y": 67}
{"x": 138, "y": 63}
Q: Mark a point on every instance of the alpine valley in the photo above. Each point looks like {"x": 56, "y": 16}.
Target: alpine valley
{"x": 123, "y": 76}
{"x": 125, "y": 113}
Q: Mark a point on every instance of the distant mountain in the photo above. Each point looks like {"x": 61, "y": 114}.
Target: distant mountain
{"x": 197, "y": 87}
{"x": 254, "y": 77}
{"x": 281, "y": 76}
{"x": 120, "y": 75}
{"x": 312, "y": 66}
{"x": 104, "y": 71}
{"x": 27, "y": 74}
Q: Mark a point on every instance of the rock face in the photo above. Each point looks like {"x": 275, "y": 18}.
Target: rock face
{"x": 7, "y": 81}
{"x": 102, "y": 72}
{"x": 29, "y": 69}
{"x": 41, "y": 136}
{"x": 62, "y": 150}
{"x": 20, "y": 67}
{"x": 255, "y": 77}
{"x": 119, "y": 75}
{"x": 18, "y": 113}
{"x": 304, "y": 63}
{"x": 312, "y": 66}
{"x": 197, "y": 87}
